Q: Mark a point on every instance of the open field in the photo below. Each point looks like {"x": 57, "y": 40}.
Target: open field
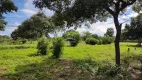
{"x": 20, "y": 62}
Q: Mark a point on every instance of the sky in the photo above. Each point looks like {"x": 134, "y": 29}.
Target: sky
{"x": 26, "y": 9}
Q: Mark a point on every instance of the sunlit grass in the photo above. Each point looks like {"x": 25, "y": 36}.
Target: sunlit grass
{"x": 13, "y": 56}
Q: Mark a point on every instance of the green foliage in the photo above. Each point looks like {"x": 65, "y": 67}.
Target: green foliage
{"x": 43, "y": 46}
{"x": 80, "y": 11}
{"x": 86, "y": 35}
{"x": 110, "y": 72}
{"x": 100, "y": 41}
{"x": 34, "y": 27}
{"x": 95, "y": 36}
{"x": 134, "y": 30}
{"x": 107, "y": 40}
{"x": 92, "y": 41}
{"x": 84, "y": 62}
{"x": 58, "y": 45}
{"x": 5, "y": 39}
{"x": 109, "y": 33}
{"x": 5, "y": 6}
{"x": 72, "y": 36}
{"x": 2, "y": 24}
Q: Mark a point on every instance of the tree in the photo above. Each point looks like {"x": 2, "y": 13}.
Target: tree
{"x": 5, "y": 6}
{"x": 95, "y": 36}
{"x": 109, "y": 33}
{"x": 78, "y": 11}
{"x": 86, "y": 35}
{"x": 38, "y": 25}
{"x": 134, "y": 30}
{"x": 72, "y": 36}
{"x": 125, "y": 34}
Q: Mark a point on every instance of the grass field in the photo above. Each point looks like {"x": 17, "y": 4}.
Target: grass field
{"x": 20, "y": 62}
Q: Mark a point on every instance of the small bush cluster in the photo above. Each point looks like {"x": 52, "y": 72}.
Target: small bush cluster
{"x": 92, "y": 41}
{"x": 107, "y": 40}
{"x": 99, "y": 41}
{"x": 42, "y": 46}
{"x": 58, "y": 44}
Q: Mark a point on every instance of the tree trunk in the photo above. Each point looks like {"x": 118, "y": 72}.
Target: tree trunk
{"x": 139, "y": 42}
{"x": 117, "y": 39}
{"x": 117, "y": 47}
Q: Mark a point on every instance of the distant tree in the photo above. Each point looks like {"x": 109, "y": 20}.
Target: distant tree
{"x": 38, "y": 25}
{"x": 86, "y": 35}
{"x": 124, "y": 33}
{"x": 76, "y": 12}
{"x": 5, "y": 6}
{"x": 95, "y": 36}
{"x": 134, "y": 31}
{"x": 109, "y": 33}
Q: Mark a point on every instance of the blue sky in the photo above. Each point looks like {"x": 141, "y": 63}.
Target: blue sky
{"x": 27, "y": 9}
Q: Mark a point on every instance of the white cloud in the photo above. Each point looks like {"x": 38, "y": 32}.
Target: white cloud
{"x": 98, "y": 28}
{"x": 29, "y": 12}
{"x": 8, "y": 31}
{"x": 29, "y": 9}
{"x": 16, "y": 24}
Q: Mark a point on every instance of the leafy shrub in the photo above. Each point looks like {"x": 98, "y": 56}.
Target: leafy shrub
{"x": 99, "y": 42}
{"x": 72, "y": 36}
{"x": 91, "y": 41}
{"x": 57, "y": 47}
{"x": 42, "y": 46}
{"x": 107, "y": 40}
{"x": 72, "y": 41}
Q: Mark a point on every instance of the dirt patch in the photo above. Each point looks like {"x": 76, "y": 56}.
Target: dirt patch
{"x": 2, "y": 78}
{"x": 3, "y": 70}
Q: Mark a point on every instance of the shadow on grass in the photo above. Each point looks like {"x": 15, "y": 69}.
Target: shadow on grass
{"x": 58, "y": 69}
{"x": 54, "y": 69}
{"x": 15, "y": 47}
{"x": 34, "y": 54}
{"x": 134, "y": 46}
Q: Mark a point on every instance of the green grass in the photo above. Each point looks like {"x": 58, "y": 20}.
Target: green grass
{"x": 20, "y": 62}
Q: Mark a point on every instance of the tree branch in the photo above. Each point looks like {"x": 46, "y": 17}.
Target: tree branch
{"x": 125, "y": 4}
{"x": 110, "y": 11}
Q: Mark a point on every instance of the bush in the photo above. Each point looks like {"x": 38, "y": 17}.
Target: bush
{"x": 43, "y": 46}
{"x": 91, "y": 41}
{"x": 72, "y": 36}
{"x": 100, "y": 42}
{"x": 57, "y": 47}
{"x": 107, "y": 40}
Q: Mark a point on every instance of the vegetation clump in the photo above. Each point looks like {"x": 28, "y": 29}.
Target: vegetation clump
{"x": 57, "y": 47}
{"x": 43, "y": 46}
{"x": 92, "y": 41}
{"x": 107, "y": 40}
{"x": 72, "y": 36}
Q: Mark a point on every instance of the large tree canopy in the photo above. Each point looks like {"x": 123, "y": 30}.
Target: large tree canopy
{"x": 134, "y": 30}
{"x": 75, "y": 12}
{"x": 5, "y": 6}
{"x": 38, "y": 25}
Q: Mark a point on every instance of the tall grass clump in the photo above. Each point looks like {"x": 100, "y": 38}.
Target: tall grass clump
{"x": 58, "y": 45}
{"x": 43, "y": 46}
